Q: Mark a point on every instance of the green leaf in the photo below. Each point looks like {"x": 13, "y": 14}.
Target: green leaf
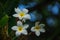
{"x": 4, "y": 20}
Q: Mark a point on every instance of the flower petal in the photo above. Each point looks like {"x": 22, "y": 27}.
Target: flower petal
{"x": 51, "y": 21}
{"x": 55, "y": 10}
{"x": 20, "y": 17}
{"x": 27, "y": 16}
{"x": 19, "y": 23}
{"x": 42, "y": 30}
{"x": 26, "y": 26}
{"x": 33, "y": 17}
{"x": 25, "y": 11}
{"x": 14, "y": 28}
{"x": 24, "y": 20}
{"x": 32, "y": 29}
{"x": 21, "y": 6}
{"x": 17, "y": 10}
{"x": 24, "y": 32}
{"x": 49, "y": 7}
{"x": 42, "y": 25}
{"x": 15, "y": 15}
{"x": 37, "y": 33}
{"x": 17, "y": 33}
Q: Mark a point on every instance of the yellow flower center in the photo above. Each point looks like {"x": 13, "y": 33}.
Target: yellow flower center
{"x": 22, "y": 14}
{"x": 37, "y": 28}
{"x": 20, "y": 29}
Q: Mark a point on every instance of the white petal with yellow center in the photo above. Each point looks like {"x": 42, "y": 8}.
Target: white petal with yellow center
{"x": 38, "y": 28}
{"x": 20, "y": 28}
{"x": 22, "y": 14}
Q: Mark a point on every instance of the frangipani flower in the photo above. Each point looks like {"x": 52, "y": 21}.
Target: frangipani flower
{"x": 38, "y": 28}
{"x": 21, "y": 14}
{"x": 20, "y": 28}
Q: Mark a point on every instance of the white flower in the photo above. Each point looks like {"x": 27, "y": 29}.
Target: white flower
{"x": 21, "y": 14}
{"x": 20, "y": 28}
{"x": 38, "y": 28}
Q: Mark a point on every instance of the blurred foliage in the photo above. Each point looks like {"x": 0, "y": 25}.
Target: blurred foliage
{"x": 7, "y": 10}
{"x": 3, "y": 21}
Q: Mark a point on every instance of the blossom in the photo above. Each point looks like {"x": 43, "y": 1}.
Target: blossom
{"x": 35, "y": 16}
{"x": 21, "y": 14}
{"x": 32, "y": 17}
{"x": 31, "y": 4}
{"x": 20, "y": 28}
{"x": 22, "y": 6}
{"x": 50, "y": 21}
{"x": 49, "y": 7}
{"x": 54, "y": 8}
{"x": 38, "y": 28}
{"x": 28, "y": 5}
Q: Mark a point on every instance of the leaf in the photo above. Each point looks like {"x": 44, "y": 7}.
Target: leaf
{"x": 4, "y": 21}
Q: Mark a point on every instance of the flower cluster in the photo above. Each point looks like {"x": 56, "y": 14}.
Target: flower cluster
{"x": 20, "y": 28}
{"x": 54, "y": 11}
